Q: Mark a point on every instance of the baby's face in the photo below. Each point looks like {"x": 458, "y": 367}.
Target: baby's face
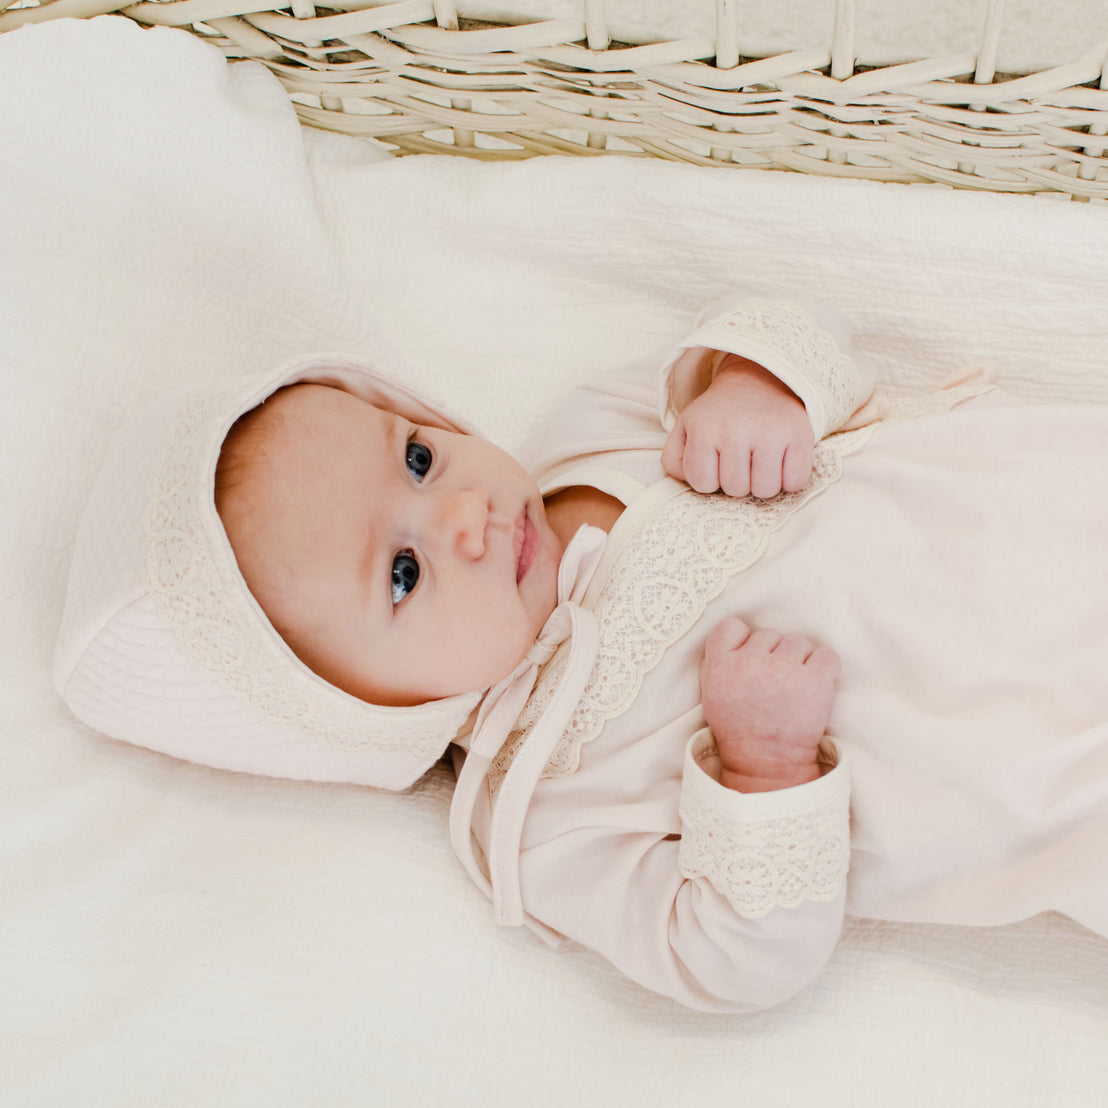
{"x": 400, "y": 562}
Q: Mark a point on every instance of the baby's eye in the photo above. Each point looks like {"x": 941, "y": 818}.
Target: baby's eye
{"x": 405, "y": 574}
{"x": 418, "y": 459}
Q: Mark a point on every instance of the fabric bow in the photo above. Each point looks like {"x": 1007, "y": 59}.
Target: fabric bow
{"x": 497, "y": 716}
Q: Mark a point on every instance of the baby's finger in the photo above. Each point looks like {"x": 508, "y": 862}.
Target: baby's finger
{"x": 764, "y": 639}
{"x": 734, "y": 469}
{"x": 797, "y": 468}
{"x": 674, "y": 450}
{"x": 793, "y": 648}
{"x": 701, "y": 465}
{"x": 825, "y": 662}
{"x": 727, "y": 635}
{"x": 765, "y": 471}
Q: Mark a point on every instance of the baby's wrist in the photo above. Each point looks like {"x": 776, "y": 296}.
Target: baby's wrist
{"x": 735, "y": 371}
{"x": 744, "y": 781}
{"x": 726, "y": 363}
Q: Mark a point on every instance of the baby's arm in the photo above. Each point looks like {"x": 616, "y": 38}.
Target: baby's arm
{"x": 737, "y": 909}
{"x": 797, "y": 358}
{"x": 743, "y": 907}
{"x": 755, "y": 385}
{"x": 767, "y": 698}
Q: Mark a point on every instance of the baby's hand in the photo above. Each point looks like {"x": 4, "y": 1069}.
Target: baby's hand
{"x": 767, "y": 698}
{"x": 746, "y": 433}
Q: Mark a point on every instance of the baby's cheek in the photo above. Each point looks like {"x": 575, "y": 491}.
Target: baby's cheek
{"x": 471, "y": 650}
{"x": 507, "y": 640}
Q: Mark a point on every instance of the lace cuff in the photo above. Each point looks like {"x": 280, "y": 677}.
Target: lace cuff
{"x": 764, "y": 850}
{"x": 806, "y": 349}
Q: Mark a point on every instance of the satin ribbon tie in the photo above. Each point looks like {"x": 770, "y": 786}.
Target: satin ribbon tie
{"x": 497, "y": 716}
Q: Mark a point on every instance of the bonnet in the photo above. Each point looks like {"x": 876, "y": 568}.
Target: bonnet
{"x": 161, "y": 642}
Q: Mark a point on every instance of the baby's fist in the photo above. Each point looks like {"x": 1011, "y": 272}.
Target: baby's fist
{"x": 767, "y": 698}
{"x": 747, "y": 434}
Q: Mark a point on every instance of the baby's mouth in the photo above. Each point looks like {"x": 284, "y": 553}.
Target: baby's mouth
{"x": 526, "y": 544}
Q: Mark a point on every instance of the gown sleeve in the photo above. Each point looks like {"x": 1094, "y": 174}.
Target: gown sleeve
{"x": 738, "y": 912}
{"x": 808, "y": 347}
{"x": 622, "y": 421}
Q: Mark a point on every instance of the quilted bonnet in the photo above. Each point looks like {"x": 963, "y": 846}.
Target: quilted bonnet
{"x": 162, "y": 644}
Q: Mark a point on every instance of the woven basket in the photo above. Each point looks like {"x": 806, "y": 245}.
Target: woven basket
{"x": 415, "y": 76}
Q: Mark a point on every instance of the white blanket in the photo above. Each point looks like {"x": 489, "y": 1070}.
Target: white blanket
{"x": 173, "y": 935}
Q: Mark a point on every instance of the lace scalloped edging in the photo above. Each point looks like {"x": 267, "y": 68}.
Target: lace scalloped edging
{"x": 195, "y": 584}
{"x": 812, "y": 352}
{"x": 767, "y": 864}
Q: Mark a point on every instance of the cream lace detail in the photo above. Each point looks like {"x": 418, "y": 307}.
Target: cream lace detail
{"x": 812, "y": 352}
{"x": 767, "y": 864}
{"x": 678, "y": 561}
{"x": 193, "y": 578}
{"x": 887, "y": 404}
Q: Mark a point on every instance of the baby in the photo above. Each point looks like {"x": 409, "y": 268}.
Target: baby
{"x": 341, "y": 580}
{"x": 439, "y": 581}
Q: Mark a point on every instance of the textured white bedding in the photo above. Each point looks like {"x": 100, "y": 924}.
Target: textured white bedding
{"x": 172, "y": 935}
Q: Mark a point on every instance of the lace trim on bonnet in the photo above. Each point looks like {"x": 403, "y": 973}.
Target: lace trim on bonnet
{"x": 194, "y": 580}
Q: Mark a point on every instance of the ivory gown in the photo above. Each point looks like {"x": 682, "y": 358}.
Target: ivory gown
{"x": 955, "y": 561}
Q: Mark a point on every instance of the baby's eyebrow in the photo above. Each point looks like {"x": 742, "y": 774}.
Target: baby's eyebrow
{"x": 392, "y": 433}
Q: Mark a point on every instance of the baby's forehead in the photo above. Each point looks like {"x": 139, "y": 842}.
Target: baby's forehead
{"x": 306, "y": 407}
{"x": 305, "y": 416}
{"x": 320, "y": 396}
{"x": 311, "y": 410}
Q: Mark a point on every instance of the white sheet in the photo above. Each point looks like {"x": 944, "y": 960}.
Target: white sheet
{"x": 177, "y": 936}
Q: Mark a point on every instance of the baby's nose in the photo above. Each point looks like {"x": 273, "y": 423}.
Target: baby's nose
{"x": 463, "y": 519}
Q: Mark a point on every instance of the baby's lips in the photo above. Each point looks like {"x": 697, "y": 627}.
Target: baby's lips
{"x": 528, "y": 544}
{"x": 518, "y": 533}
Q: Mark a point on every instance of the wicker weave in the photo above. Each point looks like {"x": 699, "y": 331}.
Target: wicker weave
{"x": 413, "y": 75}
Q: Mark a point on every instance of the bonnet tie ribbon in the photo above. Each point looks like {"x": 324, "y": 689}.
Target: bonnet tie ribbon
{"x": 497, "y": 716}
